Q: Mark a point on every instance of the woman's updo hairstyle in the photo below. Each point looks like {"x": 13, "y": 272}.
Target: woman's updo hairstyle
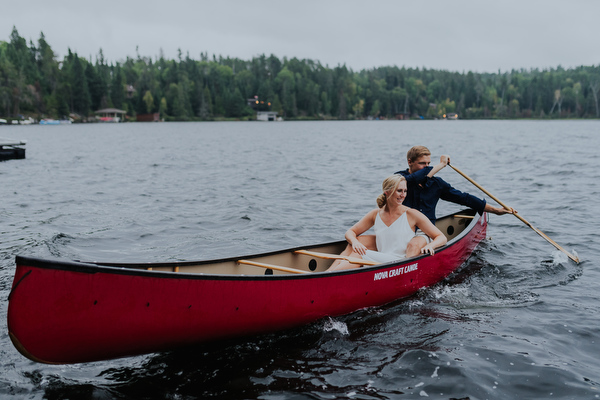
{"x": 389, "y": 185}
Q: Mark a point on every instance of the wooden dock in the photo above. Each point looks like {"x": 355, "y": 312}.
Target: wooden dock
{"x": 11, "y": 149}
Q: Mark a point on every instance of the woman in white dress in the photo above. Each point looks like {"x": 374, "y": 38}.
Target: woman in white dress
{"x": 394, "y": 225}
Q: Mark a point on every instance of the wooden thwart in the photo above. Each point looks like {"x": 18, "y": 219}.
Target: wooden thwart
{"x": 275, "y": 267}
{"x": 463, "y": 216}
{"x": 352, "y": 260}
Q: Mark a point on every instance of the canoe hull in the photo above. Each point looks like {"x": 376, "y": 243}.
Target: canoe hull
{"x": 69, "y": 312}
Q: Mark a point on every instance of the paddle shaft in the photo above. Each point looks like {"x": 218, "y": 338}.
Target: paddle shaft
{"x": 542, "y": 234}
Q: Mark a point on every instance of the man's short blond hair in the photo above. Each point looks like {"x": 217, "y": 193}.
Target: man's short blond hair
{"x": 416, "y": 152}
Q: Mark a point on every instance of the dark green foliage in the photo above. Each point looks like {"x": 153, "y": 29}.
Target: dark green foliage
{"x": 34, "y": 82}
{"x": 80, "y": 94}
{"x": 117, "y": 90}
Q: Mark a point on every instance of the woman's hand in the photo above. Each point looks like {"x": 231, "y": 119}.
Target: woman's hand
{"x": 428, "y": 249}
{"x": 359, "y": 248}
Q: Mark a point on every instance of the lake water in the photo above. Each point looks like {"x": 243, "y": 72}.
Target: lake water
{"x": 518, "y": 321}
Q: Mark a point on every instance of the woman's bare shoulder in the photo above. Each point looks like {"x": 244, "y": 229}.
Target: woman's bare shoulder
{"x": 414, "y": 214}
{"x": 373, "y": 212}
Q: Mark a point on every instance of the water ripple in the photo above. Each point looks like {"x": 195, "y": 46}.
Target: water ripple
{"x": 518, "y": 320}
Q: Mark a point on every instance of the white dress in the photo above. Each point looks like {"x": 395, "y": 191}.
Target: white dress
{"x": 391, "y": 240}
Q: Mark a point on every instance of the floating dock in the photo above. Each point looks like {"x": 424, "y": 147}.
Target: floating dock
{"x": 11, "y": 149}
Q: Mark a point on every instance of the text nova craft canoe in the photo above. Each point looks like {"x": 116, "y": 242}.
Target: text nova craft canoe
{"x": 63, "y": 312}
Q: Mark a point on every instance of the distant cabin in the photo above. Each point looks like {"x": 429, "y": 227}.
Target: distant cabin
{"x": 266, "y": 115}
{"x": 155, "y": 117}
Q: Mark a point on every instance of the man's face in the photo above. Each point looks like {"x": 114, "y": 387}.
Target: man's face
{"x": 419, "y": 164}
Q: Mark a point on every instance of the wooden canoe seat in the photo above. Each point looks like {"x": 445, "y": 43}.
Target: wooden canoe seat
{"x": 175, "y": 269}
{"x": 352, "y": 260}
{"x": 275, "y": 267}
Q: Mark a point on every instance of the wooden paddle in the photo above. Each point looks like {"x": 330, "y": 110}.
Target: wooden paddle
{"x": 351, "y": 260}
{"x": 542, "y": 234}
{"x": 271, "y": 266}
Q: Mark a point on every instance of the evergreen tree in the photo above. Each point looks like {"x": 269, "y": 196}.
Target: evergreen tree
{"x": 205, "y": 110}
{"x": 8, "y": 75}
{"x": 79, "y": 88}
{"x": 47, "y": 65}
{"x": 235, "y": 104}
{"x": 95, "y": 87}
{"x": 117, "y": 93}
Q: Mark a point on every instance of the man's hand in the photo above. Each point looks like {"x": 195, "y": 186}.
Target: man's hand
{"x": 499, "y": 210}
{"x": 444, "y": 161}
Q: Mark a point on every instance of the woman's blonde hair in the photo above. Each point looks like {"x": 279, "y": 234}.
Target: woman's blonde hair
{"x": 389, "y": 185}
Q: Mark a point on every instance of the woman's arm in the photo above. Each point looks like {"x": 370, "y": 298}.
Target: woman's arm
{"x": 358, "y": 229}
{"x": 424, "y": 224}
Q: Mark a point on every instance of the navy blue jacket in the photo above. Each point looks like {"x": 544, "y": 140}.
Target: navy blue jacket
{"x": 424, "y": 193}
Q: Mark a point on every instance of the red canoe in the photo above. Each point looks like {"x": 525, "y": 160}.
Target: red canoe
{"x": 70, "y": 312}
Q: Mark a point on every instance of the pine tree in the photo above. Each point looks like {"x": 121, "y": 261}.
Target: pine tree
{"x": 79, "y": 88}
{"x": 117, "y": 94}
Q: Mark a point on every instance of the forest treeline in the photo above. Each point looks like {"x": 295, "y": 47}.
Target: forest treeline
{"x": 35, "y": 83}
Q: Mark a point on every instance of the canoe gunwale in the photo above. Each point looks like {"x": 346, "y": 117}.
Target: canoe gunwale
{"x": 140, "y": 269}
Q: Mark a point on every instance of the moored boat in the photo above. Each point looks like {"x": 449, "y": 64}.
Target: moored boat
{"x": 49, "y": 121}
{"x": 71, "y": 312}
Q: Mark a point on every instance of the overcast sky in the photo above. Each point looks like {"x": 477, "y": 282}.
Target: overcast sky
{"x": 455, "y": 35}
